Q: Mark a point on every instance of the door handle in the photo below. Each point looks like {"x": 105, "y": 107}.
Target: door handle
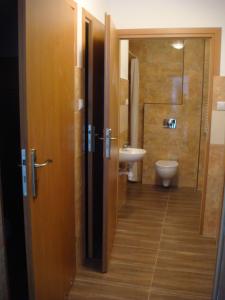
{"x": 102, "y": 138}
{"x": 108, "y": 139}
{"x": 34, "y": 167}
{"x": 48, "y": 161}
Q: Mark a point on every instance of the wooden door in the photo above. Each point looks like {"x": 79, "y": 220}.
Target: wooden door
{"x": 93, "y": 35}
{"x": 47, "y": 32}
{"x": 110, "y": 160}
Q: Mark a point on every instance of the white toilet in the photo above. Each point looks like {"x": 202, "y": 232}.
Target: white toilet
{"x": 166, "y": 169}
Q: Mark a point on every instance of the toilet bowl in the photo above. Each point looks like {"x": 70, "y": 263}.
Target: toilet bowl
{"x": 166, "y": 169}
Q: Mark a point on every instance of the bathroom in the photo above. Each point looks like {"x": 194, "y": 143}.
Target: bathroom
{"x": 161, "y": 81}
{"x": 163, "y": 232}
{"x": 165, "y": 79}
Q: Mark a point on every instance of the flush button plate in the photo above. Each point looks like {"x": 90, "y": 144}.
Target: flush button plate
{"x": 170, "y": 123}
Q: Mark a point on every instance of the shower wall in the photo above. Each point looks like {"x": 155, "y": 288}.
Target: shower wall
{"x": 172, "y": 86}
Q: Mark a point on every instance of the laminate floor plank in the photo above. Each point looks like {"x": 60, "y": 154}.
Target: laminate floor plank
{"x": 158, "y": 253}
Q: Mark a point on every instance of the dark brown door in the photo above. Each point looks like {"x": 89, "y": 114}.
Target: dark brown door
{"x": 47, "y": 92}
{"x": 93, "y": 35}
{"x": 110, "y": 157}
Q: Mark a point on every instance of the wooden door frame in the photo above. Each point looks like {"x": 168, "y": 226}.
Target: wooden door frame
{"x": 87, "y": 17}
{"x": 22, "y": 38}
{"x": 24, "y": 138}
{"x": 214, "y": 36}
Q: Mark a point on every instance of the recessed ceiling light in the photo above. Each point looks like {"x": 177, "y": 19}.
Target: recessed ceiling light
{"x": 178, "y": 45}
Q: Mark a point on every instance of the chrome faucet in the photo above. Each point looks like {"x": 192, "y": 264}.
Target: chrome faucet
{"x": 126, "y": 146}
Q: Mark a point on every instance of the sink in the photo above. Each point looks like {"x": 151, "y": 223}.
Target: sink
{"x": 131, "y": 154}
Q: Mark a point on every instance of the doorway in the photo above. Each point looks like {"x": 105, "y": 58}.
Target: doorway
{"x": 93, "y": 34}
{"x": 11, "y": 186}
{"x": 158, "y": 251}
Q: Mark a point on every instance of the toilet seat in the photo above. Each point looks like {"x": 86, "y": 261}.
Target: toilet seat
{"x": 167, "y": 163}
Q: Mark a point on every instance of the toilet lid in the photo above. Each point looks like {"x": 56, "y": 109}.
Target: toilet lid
{"x": 167, "y": 163}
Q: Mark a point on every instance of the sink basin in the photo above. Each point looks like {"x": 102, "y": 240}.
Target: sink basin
{"x": 131, "y": 154}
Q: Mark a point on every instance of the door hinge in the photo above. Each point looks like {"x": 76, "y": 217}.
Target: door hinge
{"x": 24, "y": 171}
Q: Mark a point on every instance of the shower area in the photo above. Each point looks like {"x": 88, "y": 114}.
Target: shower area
{"x": 167, "y": 79}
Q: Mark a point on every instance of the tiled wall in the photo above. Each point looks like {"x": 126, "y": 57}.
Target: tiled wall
{"x": 79, "y": 157}
{"x": 123, "y": 137}
{"x": 181, "y": 72}
{"x": 123, "y": 127}
{"x": 215, "y": 180}
{"x": 204, "y": 119}
{"x": 161, "y": 70}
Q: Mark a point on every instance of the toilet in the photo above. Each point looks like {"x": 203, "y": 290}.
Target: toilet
{"x": 166, "y": 169}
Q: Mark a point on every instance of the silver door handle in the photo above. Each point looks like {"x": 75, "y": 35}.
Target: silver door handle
{"x": 34, "y": 167}
{"x": 112, "y": 138}
{"x": 48, "y": 161}
{"x": 108, "y": 140}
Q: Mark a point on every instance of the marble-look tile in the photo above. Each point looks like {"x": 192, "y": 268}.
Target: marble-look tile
{"x": 161, "y": 70}
{"x": 182, "y": 143}
{"x": 123, "y": 137}
{"x": 214, "y": 192}
{"x": 204, "y": 124}
{"x": 218, "y": 90}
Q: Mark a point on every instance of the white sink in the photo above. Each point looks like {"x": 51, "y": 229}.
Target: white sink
{"x": 131, "y": 154}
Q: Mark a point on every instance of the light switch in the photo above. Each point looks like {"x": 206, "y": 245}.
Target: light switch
{"x": 80, "y": 104}
{"x": 220, "y": 105}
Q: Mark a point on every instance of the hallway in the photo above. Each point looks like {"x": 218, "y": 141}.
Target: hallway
{"x": 158, "y": 253}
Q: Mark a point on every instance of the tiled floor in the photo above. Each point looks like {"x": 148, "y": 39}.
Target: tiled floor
{"x": 158, "y": 253}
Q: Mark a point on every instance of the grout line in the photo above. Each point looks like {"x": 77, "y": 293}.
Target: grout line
{"x": 158, "y": 250}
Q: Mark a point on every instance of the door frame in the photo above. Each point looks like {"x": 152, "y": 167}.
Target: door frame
{"x": 214, "y": 36}
{"x": 22, "y": 36}
{"x": 87, "y": 203}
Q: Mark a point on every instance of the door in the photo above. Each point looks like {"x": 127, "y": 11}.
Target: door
{"x": 110, "y": 156}
{"x": 47, "y": 92}
{"x": 93, "y": 35}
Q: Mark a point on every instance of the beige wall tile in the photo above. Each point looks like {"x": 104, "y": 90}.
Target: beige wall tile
{"x": 215, "y": 180}
{"x": 214, "y": 193}
{"x": 123, "y": 137}
{"x": 218, "y": 89}
{"x": 218, "y": 128}
{"x": 182, "y": 143}
{"x": 161, "y": 70}
{"x": 204, "y": 119}
{"x": 123, "y": 112}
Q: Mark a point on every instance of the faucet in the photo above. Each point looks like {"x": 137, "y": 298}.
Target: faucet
{"x": 126, "y": 145}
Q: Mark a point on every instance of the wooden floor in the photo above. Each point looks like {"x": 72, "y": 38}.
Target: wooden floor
{"x": 158, "y": 253}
